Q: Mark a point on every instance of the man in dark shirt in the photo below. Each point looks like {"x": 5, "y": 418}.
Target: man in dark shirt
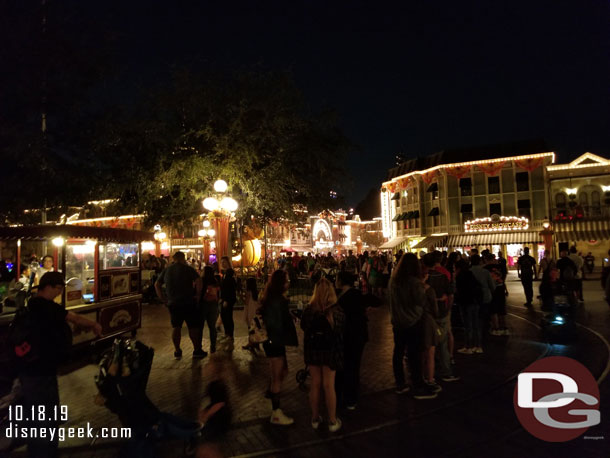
{"x": 526, "y": 269}
{"x": 351, "y": 301}
{"x": 38, "y": 377}
{"x": 182, "y": 293}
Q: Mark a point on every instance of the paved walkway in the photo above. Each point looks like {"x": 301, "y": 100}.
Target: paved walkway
{"x": 469, "y": 418}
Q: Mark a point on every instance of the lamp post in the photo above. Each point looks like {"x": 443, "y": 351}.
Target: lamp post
{"x": 207, "y": 233}
{"x": 221, "y": 208}
{"x": 547, "y": 236}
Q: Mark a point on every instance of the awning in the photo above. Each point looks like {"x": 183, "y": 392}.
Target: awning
{"x": 433, "y": 187}
{"x": 405, "y": 216}
{"x": 433, "y": 212}
{"x": 393, "y": 242}
{"x": 499, "y": 238}
{"x": 568, "y": 231}
{"x": 396, "y": 196}
{"x": 415, "y": 214}
{"x": 432, "y": 241}
{"x": 397, "y": 217}
{"x": 47, "y": 232}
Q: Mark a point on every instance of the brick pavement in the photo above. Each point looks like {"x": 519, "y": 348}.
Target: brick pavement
{"x": 177, "y": 386}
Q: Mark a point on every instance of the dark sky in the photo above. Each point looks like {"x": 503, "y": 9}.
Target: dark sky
{"x": 405, "y": 77}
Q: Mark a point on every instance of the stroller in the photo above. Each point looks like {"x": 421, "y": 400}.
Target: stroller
{"x": 121, "y": 382}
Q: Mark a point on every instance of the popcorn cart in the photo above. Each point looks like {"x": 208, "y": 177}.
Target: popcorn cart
{"x": 101, "y": 267}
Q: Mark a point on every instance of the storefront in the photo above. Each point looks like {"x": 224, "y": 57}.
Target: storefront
{"x": 506, "y": 234}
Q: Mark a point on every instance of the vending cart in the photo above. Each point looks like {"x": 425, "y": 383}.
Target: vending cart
{"x": 101, "y": 267}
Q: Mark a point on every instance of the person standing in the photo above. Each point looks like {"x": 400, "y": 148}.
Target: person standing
{"x": 47, "y": 266}
{"x": 182, "y": 295}
{"x": 38, "y": 378}
{"x": 579, "y": 263}
{"x": 487, "y": 285}
{"x": 442, "y": 286}
{"x": 407, "y": 301}
{"x": 545, "y": 263}
{"x": 281, "y": 333}
{"x": 469, "y": 298}
{"x": 323, "y": 324}
{"x": 526, "y": 270}
{"x": 355, "y": 337}
{"x": 351, "y": 263}
{"x": 209, "y": 303}
{"x": 590, "y": 262}
{"x": 228, "y": 298}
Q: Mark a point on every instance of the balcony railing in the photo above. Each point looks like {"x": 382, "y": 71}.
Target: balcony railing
{"x": 581, "y": 212}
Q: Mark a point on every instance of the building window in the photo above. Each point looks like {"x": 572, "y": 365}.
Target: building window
{"x": 560, "y": 200}
{"x": 467, "y": 214}
{"x": 434, "y": 213}
{"x": 465, "y": 186}
{"x": 433, "y": 190}
{"x": 495, "y": 209}
{"x": 493, "y": 185}
{"x": 524, "y": 207}
{"x": 523, "y": 181}
{"x": 596, "y": 209}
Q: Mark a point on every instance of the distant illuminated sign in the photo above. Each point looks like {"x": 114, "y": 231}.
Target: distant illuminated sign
{"x": 321, "y": 230}
{"x": 497, "y": 224}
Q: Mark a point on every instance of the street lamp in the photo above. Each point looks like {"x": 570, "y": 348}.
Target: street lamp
{"x": 221, "y": 208}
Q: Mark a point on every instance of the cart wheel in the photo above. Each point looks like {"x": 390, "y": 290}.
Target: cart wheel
{"x": 301, "y": 376}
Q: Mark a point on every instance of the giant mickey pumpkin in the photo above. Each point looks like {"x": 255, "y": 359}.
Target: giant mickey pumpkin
{"x": 251, "y": 253}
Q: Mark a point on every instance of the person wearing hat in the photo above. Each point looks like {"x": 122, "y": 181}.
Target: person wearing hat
{"x": 38, "y": 376}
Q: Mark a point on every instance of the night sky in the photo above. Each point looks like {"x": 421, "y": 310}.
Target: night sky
{"x": 404, "y": 77}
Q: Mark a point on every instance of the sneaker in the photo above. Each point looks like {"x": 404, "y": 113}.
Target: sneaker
{"x": 178, "y": 354}
{"x": 505, "y": 332}
{"x": 279, "y": 418}
{"x": 334, "y": 427}
{"x": 424, "y": 392}
{"x": 477, "y": 350}
{"x": 434, "y": 386}
{"x": 351, "y": 407}
{"x": 315, "y": 424}
{"x": 402, "y": 389}
{"x": 465, "y": 351}
{"x": 452, "y": 361}
{"x": 450, "y": 378}
{"x": 199, "y": 354}
{"x": 496, "y": 332}
{"x": 528, "y": 305}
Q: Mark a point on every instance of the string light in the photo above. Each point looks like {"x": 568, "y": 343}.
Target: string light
{"x": 578, "y": 163}
{"x": 471, "y": 163}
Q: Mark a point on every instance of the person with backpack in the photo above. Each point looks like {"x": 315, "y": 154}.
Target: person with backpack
{"x": 407, "y": 302}
{"x": 469, "y": 296}
{"x": 442, "y": 286}
{"x": 281, "y": 333}
{"x": 41, "y": 340}
{"x": 323, "y": 323}
{"x": 526, "y": 270}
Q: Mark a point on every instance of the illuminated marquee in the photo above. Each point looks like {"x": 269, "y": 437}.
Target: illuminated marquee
{"x": 497, "y": 224}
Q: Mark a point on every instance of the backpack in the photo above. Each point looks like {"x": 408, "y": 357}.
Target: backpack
{"x": 26, "y": 341}
{"x": 320, "y": 334}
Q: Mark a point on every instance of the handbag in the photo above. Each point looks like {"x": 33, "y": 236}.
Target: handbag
{"x": 257, "y": 332}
